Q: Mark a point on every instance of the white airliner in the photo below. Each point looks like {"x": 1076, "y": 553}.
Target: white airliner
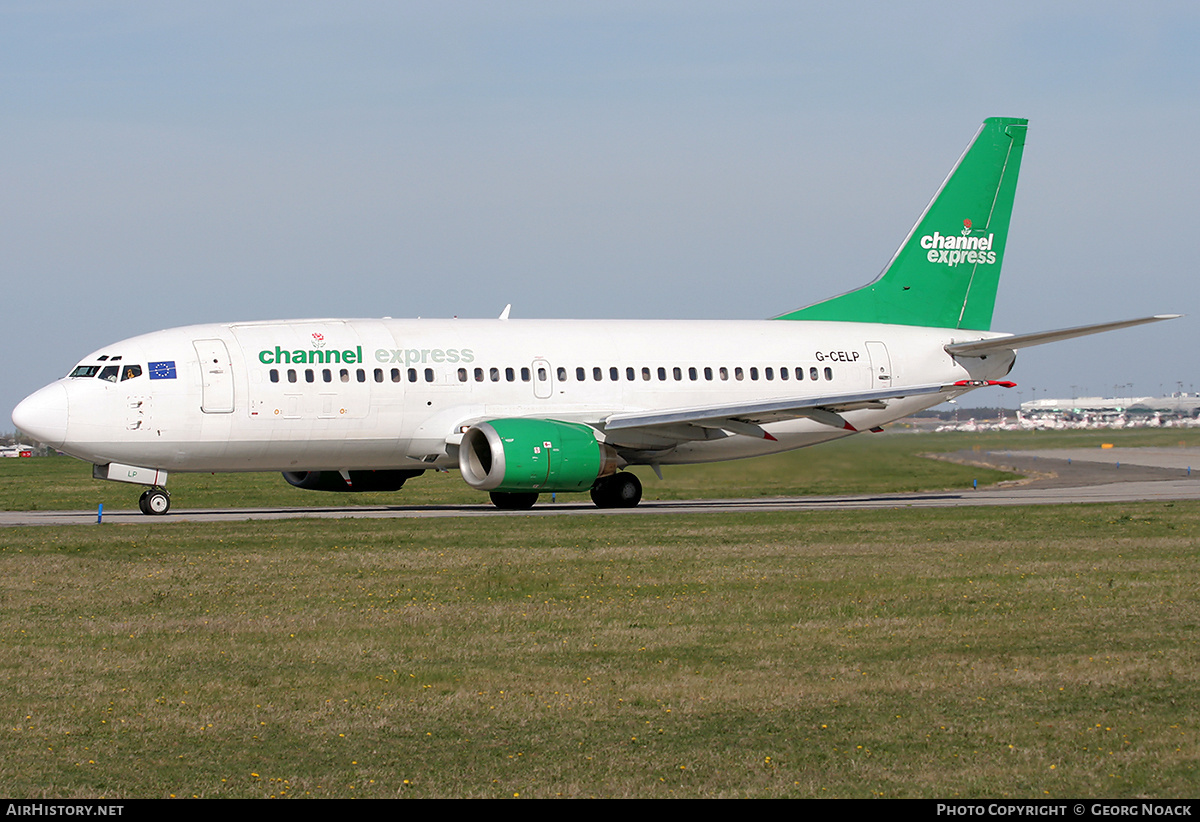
{"x": 526, "y": 407}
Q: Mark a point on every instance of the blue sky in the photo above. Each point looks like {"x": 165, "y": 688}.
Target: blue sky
{"x": 169, "y": 164}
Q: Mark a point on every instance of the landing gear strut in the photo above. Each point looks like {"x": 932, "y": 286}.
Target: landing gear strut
{"x": 622, "y": 490}
{"x": 155, "y": 501}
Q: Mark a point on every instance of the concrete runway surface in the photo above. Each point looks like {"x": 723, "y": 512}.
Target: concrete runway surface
{"x": 1052, "y": 478}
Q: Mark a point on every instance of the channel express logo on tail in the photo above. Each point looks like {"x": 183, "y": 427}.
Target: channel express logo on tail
{"x": 951, "y": 249}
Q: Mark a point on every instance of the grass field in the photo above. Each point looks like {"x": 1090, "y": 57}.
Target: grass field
{"x": 1028, "y": 652}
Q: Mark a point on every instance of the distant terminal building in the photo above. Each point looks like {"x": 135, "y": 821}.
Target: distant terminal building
{"x": 1179, "y": 409}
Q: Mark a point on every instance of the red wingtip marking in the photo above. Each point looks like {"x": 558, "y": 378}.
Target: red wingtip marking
{"x": 850, "y": 427}
{"x": 981, "y": 383}
{"x": 767, "y": 436}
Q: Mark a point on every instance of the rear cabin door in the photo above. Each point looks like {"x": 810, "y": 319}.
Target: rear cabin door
{"x": 216, "y": 373}
{"x": 881, "y": 365}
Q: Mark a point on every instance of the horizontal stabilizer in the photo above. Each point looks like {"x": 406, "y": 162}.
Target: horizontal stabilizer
{"x": 996, "y": 345}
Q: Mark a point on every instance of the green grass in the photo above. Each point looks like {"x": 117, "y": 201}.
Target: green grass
{"x": 1039, "y": 652}
{"x": 866, "y": 463}
{"x": 1018, "y": 652}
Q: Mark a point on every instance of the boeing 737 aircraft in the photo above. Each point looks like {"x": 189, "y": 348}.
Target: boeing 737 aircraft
{"x": 526, "y": 407}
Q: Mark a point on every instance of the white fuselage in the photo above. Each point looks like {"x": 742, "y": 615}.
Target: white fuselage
{"x": 333, "y": 394}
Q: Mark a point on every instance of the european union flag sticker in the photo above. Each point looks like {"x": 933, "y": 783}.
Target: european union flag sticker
{"x": 162, "y": 370}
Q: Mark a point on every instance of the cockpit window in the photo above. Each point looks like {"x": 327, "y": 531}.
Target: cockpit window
{"x": 112, "y": 373}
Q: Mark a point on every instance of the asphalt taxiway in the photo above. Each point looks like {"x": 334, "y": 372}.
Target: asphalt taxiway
{"x": 1056, "y": 477}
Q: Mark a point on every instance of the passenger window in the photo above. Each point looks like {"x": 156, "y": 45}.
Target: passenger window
{"x": 378, "y": 375}
{"x": 708, "y": 372}
{"x": 309, "y": 375}
{"x": 462, "y": 375}
{"x": 494, "y": 374}
{"x": 327, "y": 375}
{"x": 783, "y": 373}
{"x": 130, "y": 372}
{"x": 753, "y": 373}
{"x": 769, "y": 373}
{"x": 274, "y": 374}
{"x": 614, "y": 373}
{"x": 662, "y": 373}
{"x": 526, "y": 375}
{"x": 412, "y": 375}
{"x": 692, "y": 375}
{"x": 428, "y": 375}
{"x": 562, "y": 374}
{"x": 395, "y": 375}
{"x": 799, "y": 372}
{"x": 291, "y": 375}
{"x": 629, "y": 374}
{"x": 828, "y": 373}
{"x": 738, "y": 374}
{"x": 362, "y": 375}
{"x": 510, "y": 375}
{"x": 478, "y": 375}
{"x": 597, "y": 373}
{"x": 812, "y": 373}
{"x": 724, "y": 373}
{"x": 344, "y": 375}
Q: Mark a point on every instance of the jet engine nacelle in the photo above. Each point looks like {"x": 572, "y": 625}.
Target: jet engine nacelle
{"x": 360, "y": 481}
{"x": 525, "y": 455}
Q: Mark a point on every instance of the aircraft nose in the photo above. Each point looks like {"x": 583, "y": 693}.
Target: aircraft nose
{"x": 43, "y": 415}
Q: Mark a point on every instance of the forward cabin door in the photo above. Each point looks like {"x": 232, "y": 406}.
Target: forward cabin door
{"x": 216, "y": 373}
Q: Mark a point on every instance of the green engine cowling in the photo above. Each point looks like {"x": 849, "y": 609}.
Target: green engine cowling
{"x": 533, "y": 455}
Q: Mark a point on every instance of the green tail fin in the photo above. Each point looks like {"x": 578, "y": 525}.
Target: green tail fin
{"x": 946, "y": 272}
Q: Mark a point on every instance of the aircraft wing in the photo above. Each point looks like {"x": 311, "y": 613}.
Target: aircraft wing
{"x": 748, "y": 418}
{"x": 996, "y": 345}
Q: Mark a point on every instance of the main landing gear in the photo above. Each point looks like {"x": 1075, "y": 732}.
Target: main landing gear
{"x": 621, "y": 490}
{"x": 155, "y": 501}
